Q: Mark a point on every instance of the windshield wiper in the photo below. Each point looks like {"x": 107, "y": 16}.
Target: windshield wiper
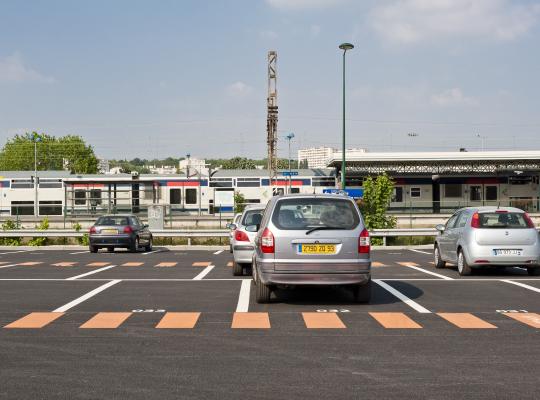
{"x": 326, "y": 228}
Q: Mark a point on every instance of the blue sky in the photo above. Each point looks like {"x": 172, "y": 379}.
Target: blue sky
{"x": 157, "y": 79}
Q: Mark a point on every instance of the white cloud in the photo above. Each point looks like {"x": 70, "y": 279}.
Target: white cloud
{"x": 267, "y": 34}
{"x": 303, "y": 4}
{"x": 239, "y": 89}
{"x": 13, "y": 70}
{"x": 452, "y": 97}
{"x": 412, "y": 21}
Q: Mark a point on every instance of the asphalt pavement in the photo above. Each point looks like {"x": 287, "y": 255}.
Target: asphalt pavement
{"x": 177, "y": 324}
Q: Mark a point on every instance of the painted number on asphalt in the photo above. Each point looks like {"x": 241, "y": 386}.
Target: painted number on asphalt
{"x": 334, "y": 310}
{"x": 512, "y": 311}
{"x": 149, "y": 310}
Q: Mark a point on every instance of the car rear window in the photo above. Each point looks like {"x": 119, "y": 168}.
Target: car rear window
{"x": 503, "y": 220}
{"x": 307, "y": 213}
{"x": 252, "y": 217}
{"x": 111, "y": 221}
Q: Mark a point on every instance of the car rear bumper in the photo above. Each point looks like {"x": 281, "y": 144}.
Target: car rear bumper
{"x": 243, "y": 254}
{"x": 276, "y": 278}
{"x": 110, "y": 240}
{"x": 530, "y": 256}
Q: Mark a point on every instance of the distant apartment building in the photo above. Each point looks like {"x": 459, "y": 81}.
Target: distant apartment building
{"x": 193, "y": 167}
{"x": 163, "y": 170}
{"x": 318, "y": 157}
{"x": 103, "y": 166}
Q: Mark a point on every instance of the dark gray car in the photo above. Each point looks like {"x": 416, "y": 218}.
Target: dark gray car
{"x": 312, "y": 240}
{"x": 124, "y": 231}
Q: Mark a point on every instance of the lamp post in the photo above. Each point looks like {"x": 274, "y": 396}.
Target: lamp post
{"x": 344, "y": 47}
{"x": 289, "y": 137}
{"x": 36, "y": 138}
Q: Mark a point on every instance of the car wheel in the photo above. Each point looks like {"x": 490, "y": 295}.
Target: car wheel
{"x": 248, "y": 269}
{"x": 463, "y": 268}
{"x": 134, "y": 245}
{"x": 533, "y": 271}
{"x": 362, "y": 293}
{"x": 230, "y": 249}
{"x": 93, "y": 249}
{"x": 148, "y": 247}
{"x": 238, "y": 269}
{"x": 439, "y": 263}
{"x": 262, "y": 293}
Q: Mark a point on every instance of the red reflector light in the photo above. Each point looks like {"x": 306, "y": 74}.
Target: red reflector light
{"x": 93, "y": 229}
{"x": 481, "y": 262}
{"x": 128, "y": 229}
{"x": 267, "y": 242}
{"x": 241, "y": 236}
{"x": 475, "y": 221}
{"x": 364, "y": 243}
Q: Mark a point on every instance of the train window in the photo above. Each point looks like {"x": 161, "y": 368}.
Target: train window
{"x": 491, "y": 193}
{"x": 476, "y": 193}
{"x": 50, "y": 184}
{"x": 397, "y": 197}
{"x": 416, "y": 192}
{"x": 95, "y": 197}
{"x": 80, "y": 197}
{"x": 191, "y": 196}
{"x": 295, "y": 190}
{"x": 452, "y": 190}
{"x": 221, "y": 182}
{"x": 325, "y": 181}
{"x": 22, "y": 208}
{"x": 22, "y": 184}
{"x": 50, "y": 208}
{"x": 248, "y": 182}
{"x": 176, "y": 196}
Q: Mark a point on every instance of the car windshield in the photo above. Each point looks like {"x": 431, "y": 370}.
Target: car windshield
{"x": 111, "y": 221}
{"x": 252, "y": 217}
{"x": 506, "y": 220}
{"x": 310, "y": 213}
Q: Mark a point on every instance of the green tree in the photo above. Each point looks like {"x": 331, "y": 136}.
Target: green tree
{"x": 239, "y": 163}
{"x": 70, "y": 152}
{"x": 239, "y": 202}
{"x": 374, "y": 204}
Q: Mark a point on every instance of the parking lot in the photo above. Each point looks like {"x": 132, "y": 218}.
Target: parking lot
{"x": 178, "y": 324}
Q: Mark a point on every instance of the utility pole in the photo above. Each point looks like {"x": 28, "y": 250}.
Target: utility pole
{"x": 289, "y": 137}
{"x": 272, "y": 116}
{"x": 36, "y": 138}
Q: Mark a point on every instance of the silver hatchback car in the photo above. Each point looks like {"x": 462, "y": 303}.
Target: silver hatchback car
{"x": 312, "y": 240}
{"x": 488, "y": 236}
{"x": 243, "y": 240}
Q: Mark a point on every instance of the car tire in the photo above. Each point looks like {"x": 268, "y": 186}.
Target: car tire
{"x": 464, "y": 269}
{"x": 439, "y": 263}
{"x": 230, "y": 249}
{"x": 533, "y": 271}
{"x": 248, "y": 269}
{"x": 238, "y": 269}
{"x": 93, "y": 249}
{"x": 134, "y": 245}
{"x": 362, "y": 293}
{"x": 262, "y": 293}
{"x": 148, "y": 247}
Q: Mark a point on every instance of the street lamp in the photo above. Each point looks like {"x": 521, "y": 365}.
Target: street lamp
{"x": 344, "y": 47}
{"x": 289, "y": 137}
{"x": 36, "y": 138}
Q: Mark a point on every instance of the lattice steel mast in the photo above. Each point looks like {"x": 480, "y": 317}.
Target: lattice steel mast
{"x": 272, "y": 115}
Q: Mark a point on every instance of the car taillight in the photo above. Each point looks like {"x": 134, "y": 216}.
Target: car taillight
{"x": 475, "y": 221}
{"x": 267, "y": 241}
{"x": 128, "y": 229}
{"x": 241, "y": 236}
{"x": 93, "y": 229}
{"x": 364, "y": 244}
{"x": 529, "y": 221}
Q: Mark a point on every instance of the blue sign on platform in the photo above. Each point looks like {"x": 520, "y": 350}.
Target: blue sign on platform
{"x": 289, "y": 173}
{"x": 354, "y": 193}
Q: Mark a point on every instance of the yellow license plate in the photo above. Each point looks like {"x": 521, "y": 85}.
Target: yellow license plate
{"x": 317, "y": 248}
{"x": 110, "y": 231}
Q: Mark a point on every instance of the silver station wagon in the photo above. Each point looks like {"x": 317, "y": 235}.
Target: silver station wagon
{"x": 488, "y": 236}
{"x": 312, "y": 240}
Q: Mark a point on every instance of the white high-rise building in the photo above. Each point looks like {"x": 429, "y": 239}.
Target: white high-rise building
{"x": 317, "y": 157}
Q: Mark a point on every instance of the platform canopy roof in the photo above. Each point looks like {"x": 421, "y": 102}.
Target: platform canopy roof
{"x": 440, "y": 162}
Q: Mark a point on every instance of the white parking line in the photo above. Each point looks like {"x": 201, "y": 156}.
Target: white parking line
{"x": 18, "y": 251}
{"x": 85, "y": 297}
{"x": 9, "y": 265}
{"x": 219, "y": 252}
{"x": 402, "y": 297}
{"x": 420, "y": 251}
{"x": 243, "y": 297}
{"x": 151, "y": 252}
{"x": 204, "y": 272}
{"x": 80, "y": 252}
{"x": 534, "y": 289}
{"x": 430, "y": 273}
{"x": 72, "y": 278}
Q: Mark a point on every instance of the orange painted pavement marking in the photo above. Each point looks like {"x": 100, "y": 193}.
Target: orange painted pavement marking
{"x": 406, "y": 264}
{"x": 394, "y": 320}
{"x": 64, "y": 264}
{"x": 35, "y": 320}
{"x": 166, "y": 264}
{"x": 466, "y": 321}
{"x": 30, "y": 263}
{"x": 178, "y": 320}
{"x": 531, "y": 319}
{"x": 104, "y": 320}
{"x": 250, "y": 320}
{"x": 132, "y": 264}
{"x": 230, "y": 264}
{"x": 315, "y": 320}
{"x": 97, "y": 264}
{"x": 377, "y": 264}
{"x": 201, "y": 264}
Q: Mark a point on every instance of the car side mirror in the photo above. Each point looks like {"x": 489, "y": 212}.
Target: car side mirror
{"x": 232, "y": 227}
{"x": 440, "y": 228}
{"x": 252, "y": 228}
